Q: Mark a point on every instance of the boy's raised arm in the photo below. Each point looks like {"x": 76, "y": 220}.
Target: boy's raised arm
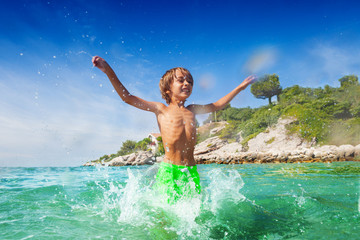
{"x": 121, "y": 90}
{"x": 222, "y": 102}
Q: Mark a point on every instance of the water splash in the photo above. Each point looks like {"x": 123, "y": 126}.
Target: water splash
{"x": 224, "y": 186}
{"x": 136, "y": 204}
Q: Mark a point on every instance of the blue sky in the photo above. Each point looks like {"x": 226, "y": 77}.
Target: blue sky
{"x": 57, "y": 110}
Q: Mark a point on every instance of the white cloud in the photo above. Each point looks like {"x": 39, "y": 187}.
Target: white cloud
{"x": 46, "y": 125}
{"x": 320, "y": 64}
{"x": 335, "y": 62}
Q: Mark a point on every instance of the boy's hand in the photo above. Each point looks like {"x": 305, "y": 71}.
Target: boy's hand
{"x": 249, "y": 80}
{"x": 100, "y": 63}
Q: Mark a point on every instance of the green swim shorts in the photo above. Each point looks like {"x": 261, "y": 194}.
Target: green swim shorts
{"x": 176, "y": 181}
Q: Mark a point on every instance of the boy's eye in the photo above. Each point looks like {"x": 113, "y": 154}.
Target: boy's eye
{"x": 181, "y": 80}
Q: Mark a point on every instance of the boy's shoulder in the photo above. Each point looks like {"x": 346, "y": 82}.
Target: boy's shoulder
{"x": 160, "y": 106}
{"x": 191, "y": 107}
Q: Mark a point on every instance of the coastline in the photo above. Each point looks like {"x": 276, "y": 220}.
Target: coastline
{"x": 221, "y": 152}
{"x": 274, "y": 145}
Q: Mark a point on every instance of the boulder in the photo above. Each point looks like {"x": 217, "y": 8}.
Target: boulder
{"x": 346, "y": 151}
{"x": 357, "y": 151}
{"x": 137, "y": 158}
{"x": 118, "y": 161}
{"x": 209, "y": 145}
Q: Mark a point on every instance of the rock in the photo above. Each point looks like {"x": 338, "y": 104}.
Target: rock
{"x": 309, "y": 153}
{"x": 143, "y": 158}
{"x": 282, "y": 155}
{"x": 209, "y": 145}
{"x": 317, "y": 153}
{"x": 217, "y": 129}
{"x": 137, "y": 158}
{"x": 346, "y": 151}
{"x": 276, "y": 139}
{"x": 357, "y": 151}
{"x": 118, "y": 161}
{"x": 158, "y": 159}
{"x": 89, "y": 164}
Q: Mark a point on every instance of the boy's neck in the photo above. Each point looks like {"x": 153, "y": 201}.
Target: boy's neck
{"x": 177, "y": 103}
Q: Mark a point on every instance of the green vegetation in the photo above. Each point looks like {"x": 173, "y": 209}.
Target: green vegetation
{"x": 127, "y": 147}
{"x": 349, "y": 80}
{"x": 267, "y": 87}
{"x": 160, "y": 151}
{"x": 270, "y": 140}
{"x": 328, "y": 115}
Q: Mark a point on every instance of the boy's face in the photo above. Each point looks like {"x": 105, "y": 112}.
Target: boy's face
{"x": 181, "y": 87}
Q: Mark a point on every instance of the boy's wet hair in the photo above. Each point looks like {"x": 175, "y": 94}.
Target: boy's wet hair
{"x": 168, "y": 78}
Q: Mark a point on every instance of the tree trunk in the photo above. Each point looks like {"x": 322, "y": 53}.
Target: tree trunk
{"x": 270, "y": 101}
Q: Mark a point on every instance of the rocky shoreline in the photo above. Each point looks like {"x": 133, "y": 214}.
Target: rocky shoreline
{"x": 323, "y": 154}
{"x": 271, "y": 146}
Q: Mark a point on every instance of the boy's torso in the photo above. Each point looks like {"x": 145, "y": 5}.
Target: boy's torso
{"x": 178, "y": 131}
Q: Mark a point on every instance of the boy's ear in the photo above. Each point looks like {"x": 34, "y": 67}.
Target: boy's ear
{"x": 168, "y": 92}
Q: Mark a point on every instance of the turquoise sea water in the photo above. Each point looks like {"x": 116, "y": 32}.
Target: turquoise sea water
{"x": 273, "y": 201}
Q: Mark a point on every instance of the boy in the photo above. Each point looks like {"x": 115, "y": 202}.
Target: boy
{"x": 177, "y": 175}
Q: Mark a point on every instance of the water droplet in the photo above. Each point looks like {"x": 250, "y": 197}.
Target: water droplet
{"x": 100, "y": 85}
{"x": 167, "y": 149}
{"x": 21, "y": 54}
{"x": 148, "y": 109}
{"x": 54, "y": 56}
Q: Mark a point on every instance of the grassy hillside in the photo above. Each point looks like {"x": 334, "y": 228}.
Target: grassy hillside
{"x": 327, "y": 115}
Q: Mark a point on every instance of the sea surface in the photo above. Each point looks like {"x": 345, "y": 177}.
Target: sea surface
{"x": 270, "y": 201}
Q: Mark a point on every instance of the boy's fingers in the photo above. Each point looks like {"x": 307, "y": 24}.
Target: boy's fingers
{"x": 95, "y": 60}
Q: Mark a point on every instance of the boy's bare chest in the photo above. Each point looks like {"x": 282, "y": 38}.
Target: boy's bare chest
{"x": 177, "y": 122}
